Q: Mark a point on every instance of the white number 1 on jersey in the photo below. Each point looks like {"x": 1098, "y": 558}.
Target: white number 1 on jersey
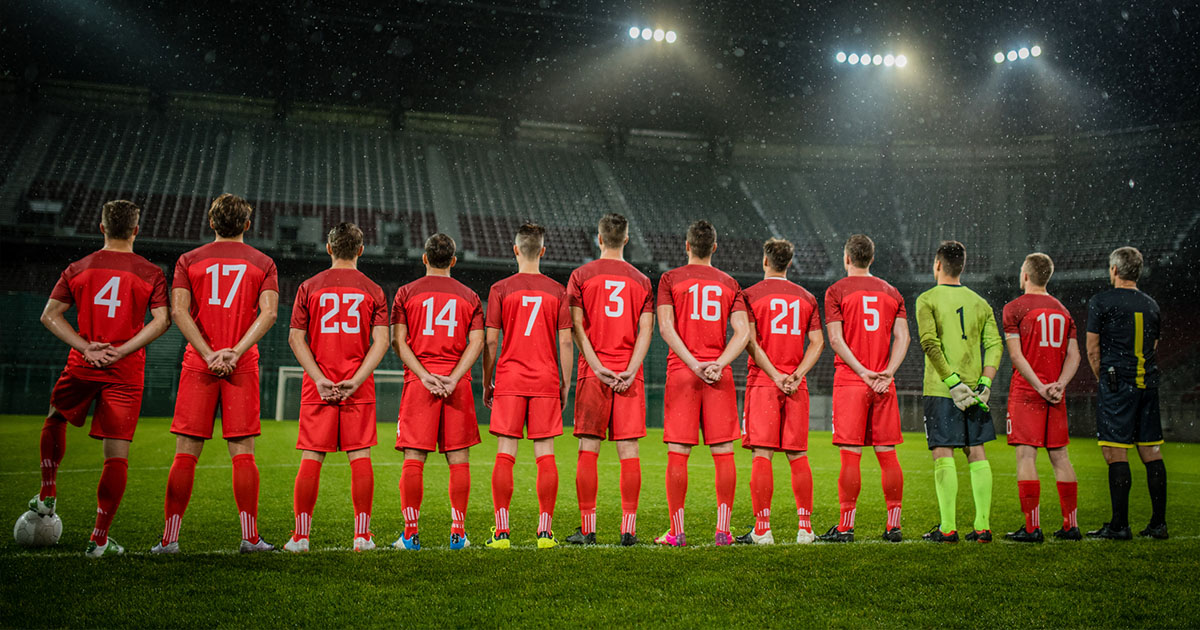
{"x": 536, "y": 301}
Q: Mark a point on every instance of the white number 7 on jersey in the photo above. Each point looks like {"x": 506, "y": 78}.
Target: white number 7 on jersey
{"x": 536, "y": 301}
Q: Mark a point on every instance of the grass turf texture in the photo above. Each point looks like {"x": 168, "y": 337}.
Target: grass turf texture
{"x": 1089, "y": 583}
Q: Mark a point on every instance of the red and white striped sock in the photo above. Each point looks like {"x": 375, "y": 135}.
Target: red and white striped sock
{"x": 762, "y": 488}
{"x": 1068, "y": 495}
{"x": 629, "y": 523}
{"x": 245, "y": 494}
{"x": 586, "y": 483}
{"x": 362, "y": 492}
{"x": 179, "y": 493}
{"x": 805, "y": 519}
{"x": 631, "y": 487}
{"x": 460, "y": 492}
{"x": 53, "y": 446}
{"x": 849, "y": 485}
{"x": 412, "y": 493}
{"x": 726, "y": 482}
{"x": 802, "y": 490}
{"x": 304, "y": 496}
{"x": 893, "y": 517}
{"x": 677, "y": 483}
{"x": 1030, "y": 493}
{"x": 547, "y": 491}
{"x": 502, "y": 489}
{"x": 892, "y": 479}
{"x": 108, "y": 496}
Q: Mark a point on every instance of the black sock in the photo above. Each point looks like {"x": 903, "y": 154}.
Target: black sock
{"x": 1156, "y": 478}
{"x": 1119, "y": 481}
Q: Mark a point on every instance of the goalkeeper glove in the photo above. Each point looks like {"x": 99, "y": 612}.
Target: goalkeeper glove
{"x": 960, "y": 392}
{"x": 983, "y": 391}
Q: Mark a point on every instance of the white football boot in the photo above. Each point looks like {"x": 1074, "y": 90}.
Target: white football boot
{"x": 364, "y": 543}
{"x": 296, "y": 545}
{"x": 110, "y": 548}
{"x": 805, "y": 537}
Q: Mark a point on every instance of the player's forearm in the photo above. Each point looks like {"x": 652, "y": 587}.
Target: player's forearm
{"x": 762, "y": 360}
{"x": 298, "y": 341}
{"x": 989, "y": 372}
{"x": 469, "y": 356}
{"x": 61, "y": 328}
{"x": 900, "y": 341}
{"x": 842, "y": 350}
{"x": 157, "y": 326}
{"x": 1070, "y": 364}
{"x": 675, "y": 343}
{"x": 191, "y": 332}
{"x": 1093, "y": 352}
{"x": 379, "y": 348}
{"x": 566, "y": 358}
{"x": 585, "y": 347}
{"x": 812, "y": 354}
{"x": 490, "y": 349}
{"x": 1021, "y": 363}
{"x": 737, "y": 343}
{"x": 256, "y": 332}
{"x": 932, "y": 347}
{"x": 642, "y": 345}
{"x": 409, "y": 358}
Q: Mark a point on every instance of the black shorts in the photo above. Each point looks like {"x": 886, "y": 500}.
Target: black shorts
{"x": 1128, "y": 416}
{"x": 946, "y": 426}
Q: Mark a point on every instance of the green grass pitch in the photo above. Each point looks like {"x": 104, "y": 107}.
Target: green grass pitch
{"x": 868, "y": 583}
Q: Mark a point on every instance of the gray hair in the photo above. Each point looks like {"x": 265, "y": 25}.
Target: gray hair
{"x": 1128, "y": 261}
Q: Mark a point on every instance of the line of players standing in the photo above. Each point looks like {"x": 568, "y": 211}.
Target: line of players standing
{"x": 225, "y": 298}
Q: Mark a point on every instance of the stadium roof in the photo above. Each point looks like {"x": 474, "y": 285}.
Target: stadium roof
{"x": 740, "y": 67}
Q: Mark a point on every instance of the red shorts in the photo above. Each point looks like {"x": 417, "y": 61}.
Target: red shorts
{"x": 691, "y": 405}
{"x": 863, "y": 418}
{"x": 1033, "y": 421}
{"x": 600, "y": 411}
{"x": 430, "y": 423}
{"x": 329, "y": 428}
{"x": 117, "y": 405}
{"x": 196, "y": 404}
{"x": 512, "y": 413}
{"x": 771, "y": 419}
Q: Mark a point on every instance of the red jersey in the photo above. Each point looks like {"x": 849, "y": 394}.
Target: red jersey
{"x": 439, "y": 314}
{"x": 112, "y": 291}
{"x": 613, "y": 295}
{"x": 784, "y": 313}
{"x": 529, "y": 309}
{"x": 703, "y": 297}
{"x": 1045, "y": 327}
{"x": 338, "y": 309}
{"x": 867, "y": 307}
{"x": 225, "y": 279}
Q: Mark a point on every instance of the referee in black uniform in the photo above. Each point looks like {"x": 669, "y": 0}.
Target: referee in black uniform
{"x": 1122, "y": 339}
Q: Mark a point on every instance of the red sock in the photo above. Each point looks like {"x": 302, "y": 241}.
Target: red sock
{"x": 677, "y": 482}
{"x": 362, "y": 493}
{"x": 893, "y": 486}
{"x": 585, "y": 489}
{"x": 849, "y": 484}
{"x": 179, "y": 492}
{"x": 547, "y": 491}
{"x": 460, "y": 491}
{"x": 1030, "y": 494}
{"x": 304, "y": 497}
{"x": 502, "y": 489}
{"x": 726, "y": 473}
{"x": 108, "y": 495}
{"x": 54, "y": 445}
{"x": 245, "y": 494}
{"x": 762, "y": 487}
{"x": 631, "y": 487}
{"x": 1068, "y": 494}
{"x": 802, "y": 488}
{"x": 412, "y": 492}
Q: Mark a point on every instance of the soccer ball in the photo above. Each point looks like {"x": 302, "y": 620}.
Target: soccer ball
{"x": 33, "y": 530}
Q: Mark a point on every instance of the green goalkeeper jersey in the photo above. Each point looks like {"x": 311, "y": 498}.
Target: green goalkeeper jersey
{"x": 954, "y": 322}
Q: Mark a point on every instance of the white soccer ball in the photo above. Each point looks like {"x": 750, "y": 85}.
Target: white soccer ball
{"x": 34, "y": 530}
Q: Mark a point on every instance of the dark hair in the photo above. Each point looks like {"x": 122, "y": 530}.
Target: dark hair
{"x": 345, "y": 239}
{"x": 861, "y": 250}
{"x": 779, "y": 253}
{"x": 228, "y": 215}
{"x": 614, "y": 229}
{"x": 439, "y": 250}
{"x": 1040, "y": 268}
{"x": 530, "y": 239}
{"x": 702, "y": 236}
{"x": 1128, "y": 261}
{"x": 120, "y": 218}
{"x": 953, "y": 256}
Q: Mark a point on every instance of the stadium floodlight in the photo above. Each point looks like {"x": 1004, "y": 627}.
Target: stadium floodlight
{"x": 841, "y": 57}
{"x": 1012, "y": 55}
{"x": 671, "y": 37}
{"x": 1036, "y": 51}
{"x": 647, "y": 34}
{"x": 1023, "y": 53}
{"x": 889, "y": 60}
{"x": 901, "y": 61}
{"x": 853, "y": 58}
{"x": 999, "y": 57}
{"x": 634, "y": 32}
{"x": 659, "y": 35}
{"x": 877, "y": 59}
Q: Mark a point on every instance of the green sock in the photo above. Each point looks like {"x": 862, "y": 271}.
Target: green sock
{"x": 945, "y": 481}
{"x": 981, "y": 487}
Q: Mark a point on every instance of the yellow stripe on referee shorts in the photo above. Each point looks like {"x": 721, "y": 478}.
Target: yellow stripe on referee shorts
{"x": 1138, "y": 333}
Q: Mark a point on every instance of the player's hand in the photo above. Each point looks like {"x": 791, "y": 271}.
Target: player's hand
{"x": 434, "y": 384}
{"x": 327, "y": 390}
{"x": 700, "y": 370}
{"x": 347, "y": 388}
{"x": 1057, "y": 391}
{"x": 607, "y": 376}
{"x": 449, "y": 384}
{"x": 489, "y": 394}
{"x": 883, "y": 382}
{"x": 713, "y": 373}
{"x": 983, "y": 391}
{"x": 960, "y": 392}
{"x": 627, "y": 378}
{"x": 869, "y": 378}
{"x": 96, "y": 354}
{"x": 784, "y": 383}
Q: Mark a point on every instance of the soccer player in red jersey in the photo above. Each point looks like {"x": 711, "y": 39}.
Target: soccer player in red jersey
{"x": 868, "y": 332}
{"x": 339, "y": 335}
{"x": 697, "y": 304}
{"x": 224, "y": 299}
{"x": 612, "y": 314}
{"x": 527, "y": 384}
{"x": 1041, "y": 339}
{"x": 775, "y": 413}
{"x": 437, "y": 329}
{"x": 111, "y": 289}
